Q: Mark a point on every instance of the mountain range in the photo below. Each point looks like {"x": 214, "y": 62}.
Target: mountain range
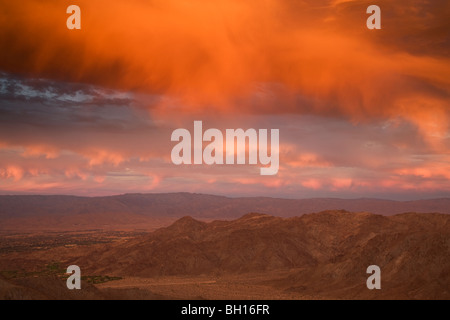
{"x": 326, "y": 253}
{"x": 29, "y": 213}
{"x": 203, "y": 206}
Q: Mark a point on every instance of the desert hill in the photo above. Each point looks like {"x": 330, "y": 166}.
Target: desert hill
{"x": 326, "y": 253}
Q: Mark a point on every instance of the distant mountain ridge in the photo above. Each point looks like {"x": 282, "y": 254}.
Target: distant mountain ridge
{"x": 177, "y": 205}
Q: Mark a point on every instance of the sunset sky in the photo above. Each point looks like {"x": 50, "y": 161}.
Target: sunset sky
{"x": 361, "y": 113}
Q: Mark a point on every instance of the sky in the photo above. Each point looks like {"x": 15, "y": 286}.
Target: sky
{"x": 361, "y": 113}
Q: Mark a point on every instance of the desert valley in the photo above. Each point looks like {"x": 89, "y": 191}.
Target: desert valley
{"x": 165, "y": 253}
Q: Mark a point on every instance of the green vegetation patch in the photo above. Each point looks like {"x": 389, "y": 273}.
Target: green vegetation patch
{"x": 11, "y": 274}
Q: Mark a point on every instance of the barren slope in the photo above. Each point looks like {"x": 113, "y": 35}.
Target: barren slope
{"x": 327, "y": 252}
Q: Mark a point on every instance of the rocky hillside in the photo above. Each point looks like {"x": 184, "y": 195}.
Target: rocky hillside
{"x": 327, "y": 252}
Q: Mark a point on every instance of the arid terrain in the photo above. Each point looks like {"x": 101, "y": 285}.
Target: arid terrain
{"x": 313, "y": 256}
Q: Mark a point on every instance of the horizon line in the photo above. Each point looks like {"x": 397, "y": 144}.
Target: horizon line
{"x": 219, "y": 195}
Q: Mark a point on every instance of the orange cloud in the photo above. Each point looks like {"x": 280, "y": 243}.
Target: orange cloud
{"x": 428, "y": 169}
{"x": 99, "y": 157}
{"x": 217, "y": 54}
{"x": 303, "y": 160}
{"x": 75, "y": 172}
{"x": 12, "y": 172}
